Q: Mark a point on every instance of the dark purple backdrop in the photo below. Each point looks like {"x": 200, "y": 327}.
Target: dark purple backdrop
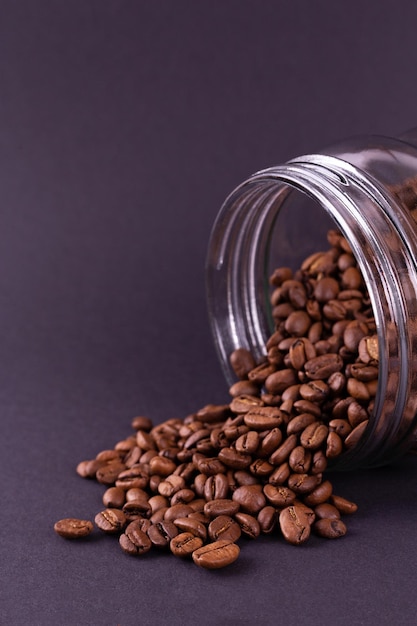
{"x": 123, "y": 126}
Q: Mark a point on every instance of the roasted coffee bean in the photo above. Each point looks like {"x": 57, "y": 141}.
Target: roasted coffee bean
{"x": 114, "y": 497}
{"x": 184, "y": 544}
{"x": 301, "y": 351}
{"x": 243, "y": 477}
{"x": 135, "y": 494}
{"x": 354, "y": 437}
{"x": 357, "y": 389}
{"x": 280, "y": 380}
{"x": 303, "y": 483}
{"x": 110, "y": 520}
{"x": 141, "y": 422}
{"x": 248, "y": 524}
{"x": 224, "y": 527}
{"x": 242, "y": 362}
{"x": 137, "y": 508}
{"x": 73, "y": 528}
{"x": 300, "y": 422}
{"x": 243, "y": 388}
{"x": 267, "y": 518}
{"x": 314, "y": 391}
{"x": 222, "y": 506}
{"x": 135, "y": 476}
{"x": 108, "y": 456}
{"x": 158, "y": 502}
{"x": 263, "y": 418}
{"x": 216, "y": 555}
{"x": 212, "y": 413}
{"x": 283, "y": 451}
{"x": 327, "y": 511}
{"x": 300, "y": 460}
{"x": 234, "y": 431}
{"x": 177, "y": 510}
{"x": 280, "y": 475}
{"x": 330, "y": 528}
{"x": 314, "y": 435}
{"x": 269, "y": 443}
{"x": 247, "y": 443}
{"x": 161, "y": 533}
{"x": 161, "y": 466}
{"x": 319, "y": 463}
{"x": 260, "y": 373}
{"x": 243, "y": 404}
{"x": 346, "y": 507}
{"x": 326, "y": 289}
{"x": 320, "y": 494}
{"x": 321, "y": 367}
{"x": 234, "y": 459}
{"x": 216, "y": 487}
{"x": 192, "y": 525}
{"x": 334, "y": 445}
{"x": 261, "y": 468}
{"x": 294, "y": 525}
{"x": 183, "y": 496}
{"x": 279, "y": 496}
{"x": 250, "y": 498}
{"x": 211, "y": 466}
{"x": 108, "y": 474}
{"x": 280, "y": 275}
{"x": 356, "y": 414}
{"x": 340, "y": 426}
{"x": 297, "y": 323}
{"x": 171, "y": 485}
{"x": 88, "y": 469}
{"x": 134, "y": 541}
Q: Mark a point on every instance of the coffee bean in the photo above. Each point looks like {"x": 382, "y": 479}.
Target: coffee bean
{"x": 110, "y": 520}
{"x": 314, "y": 435}
{"x": 142, "y": 423}
{"x": 162, "y": 532}
{"x": 346, "y": 507}
{"x": 134, "y": 541}
{"x": 73, "y": 528}
{"x": 184, "y": 544}
{"x": 330, "y": 528}
{"x": 224, "y": 527}
{"x": 242, "y": 362}
{"x": 321, "y": 367}
{"x": 191, "y": 525}
{"x": 114, "y": 497}
{"x": 267, "y": 518}
{"x": 248, "y": 524}
{"x": 216, "y": 487}
{"x": 279, "y": 496}
{"x": 248, "y": 443}
{"x": 250, "y": 498}
{"x": 216, "y": 555}
{"x": 221, "y": 506}
{"x": 234, "y": 459}
{"x": 326, "y": 510}
{"x": 263, "y": 418}
{"x": 279, "y": 381}
{"x": 294, "y": 525}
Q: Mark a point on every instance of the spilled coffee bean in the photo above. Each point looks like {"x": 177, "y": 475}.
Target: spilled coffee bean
{"x": 197, "y": 487}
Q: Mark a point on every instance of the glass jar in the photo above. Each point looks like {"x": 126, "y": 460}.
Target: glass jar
{"x": 367, "y": 188}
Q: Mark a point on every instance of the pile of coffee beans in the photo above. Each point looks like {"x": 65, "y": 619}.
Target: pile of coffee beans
{"x": 255, "y": 465}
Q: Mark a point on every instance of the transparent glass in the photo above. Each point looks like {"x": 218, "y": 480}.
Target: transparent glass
{"x": 367, "y": 187}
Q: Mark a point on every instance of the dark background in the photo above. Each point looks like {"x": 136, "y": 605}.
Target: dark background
{"x": 123, "y": 126}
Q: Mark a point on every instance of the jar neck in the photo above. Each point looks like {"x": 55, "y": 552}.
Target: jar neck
{"x": 356, "y": 187}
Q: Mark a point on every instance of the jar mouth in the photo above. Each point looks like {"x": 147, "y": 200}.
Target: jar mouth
{"x": 237, "y": 270}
